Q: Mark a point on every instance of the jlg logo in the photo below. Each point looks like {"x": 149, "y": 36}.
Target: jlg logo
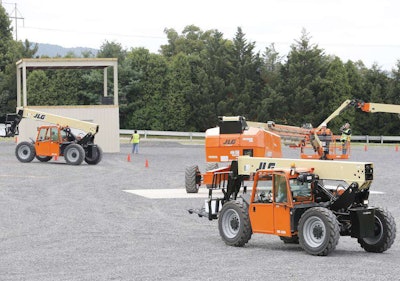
{"x": 229, "y": 142}
{"x": 263, "y": 165}
{"x": 39, "y": 116}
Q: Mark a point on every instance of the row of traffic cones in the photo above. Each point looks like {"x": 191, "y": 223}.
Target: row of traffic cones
{"x": 128, "y": 158}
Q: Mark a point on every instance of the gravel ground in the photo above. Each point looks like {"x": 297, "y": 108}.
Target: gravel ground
{"x": 61, "y": 222}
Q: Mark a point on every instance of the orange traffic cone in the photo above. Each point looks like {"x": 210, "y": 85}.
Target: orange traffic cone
{"x": 55, "y": 157}
{"x": 128, "y": 158}
{"x": 397, "y": 148}
{"x": 146, "y": 164}
{"x": 365, "y": 147}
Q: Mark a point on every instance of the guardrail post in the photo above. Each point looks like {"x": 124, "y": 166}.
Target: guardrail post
{"x": 381, "y": 139}
{"x": 367, "y": 138}
{"x": 190, "y": 135}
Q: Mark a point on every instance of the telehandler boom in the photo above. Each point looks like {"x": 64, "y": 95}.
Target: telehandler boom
{"x": 55, "y": 140}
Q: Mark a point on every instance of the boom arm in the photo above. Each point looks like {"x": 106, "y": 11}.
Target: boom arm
{"x": 378, "y": 107}
{"x": 360, "y": 172}
{"x": 339, "y": 110}
{"x": 12, "y": 124}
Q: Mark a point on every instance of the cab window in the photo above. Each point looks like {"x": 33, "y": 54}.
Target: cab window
{"x": 42, "y": 134}
{"x": 263, "y": 190}
{"x": 280, "y": 189}
{"x": 54, "y": 134}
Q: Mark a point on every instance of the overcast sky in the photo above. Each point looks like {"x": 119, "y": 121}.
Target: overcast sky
{"x": 351, "y": 29}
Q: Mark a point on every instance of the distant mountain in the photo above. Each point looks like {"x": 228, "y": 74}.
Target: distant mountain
{"x": 59, "y": 51}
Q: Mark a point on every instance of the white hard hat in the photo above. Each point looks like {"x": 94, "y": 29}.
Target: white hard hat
{"x": 323, "y": 125}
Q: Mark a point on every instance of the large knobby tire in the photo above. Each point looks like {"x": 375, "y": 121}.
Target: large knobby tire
{"x": 190, "y": 179}
{"x": 74, "y": 154}
{"x": 384, "y": 233}
{"x": 234, "y": 223}
{"x": 44, "y": 158}
{"x": 318, "y": 231}
{"x": 97, "y": 155}
{"x": 25, "y": 152}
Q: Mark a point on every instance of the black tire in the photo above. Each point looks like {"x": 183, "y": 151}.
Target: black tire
{"x": 234, "y": 224}
{"x": 385, "y": 233}
{"x": 25, "y": 152}
{"x": 74, "y": 154}
{"x": 190, "y": 179}
{"x": 290, "y": 240}
{"x": 211, "y": 166}
{"x": 97, "y": 155}
{"x": 44, "y": 158}
{"x": 318, "y": 231}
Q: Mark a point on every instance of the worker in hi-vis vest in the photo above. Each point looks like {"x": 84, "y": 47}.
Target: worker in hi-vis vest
{"x": 135, "y": 139}
{"x": 345, "y": 137}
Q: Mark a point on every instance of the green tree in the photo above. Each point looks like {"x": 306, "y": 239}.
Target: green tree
{"x": 244, "y": 83}
{"x": 147, "y": 91}
{"x": 334, "y": 91}
{"x": 301, "y": 81}
{"x": 376, "y": 89}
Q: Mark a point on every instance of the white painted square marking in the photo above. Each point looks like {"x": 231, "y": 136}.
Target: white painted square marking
{"x": 172, "y": 193}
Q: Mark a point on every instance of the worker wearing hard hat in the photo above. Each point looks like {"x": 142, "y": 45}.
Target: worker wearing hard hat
{"x": 325, "y": 136}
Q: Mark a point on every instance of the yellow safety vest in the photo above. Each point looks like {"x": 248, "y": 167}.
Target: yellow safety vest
{"x": 135, "y": 138}
{"x": 346, "y": 135}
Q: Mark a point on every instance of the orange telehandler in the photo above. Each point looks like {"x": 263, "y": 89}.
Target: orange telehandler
{"x": 303, "y": 201}
{"x": 55, "y": 140}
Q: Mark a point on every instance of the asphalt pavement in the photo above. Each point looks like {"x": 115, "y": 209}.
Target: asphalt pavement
{"x": 62, "y": 222}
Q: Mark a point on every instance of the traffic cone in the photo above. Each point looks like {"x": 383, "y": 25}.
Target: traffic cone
{"x": 55, "y": 157}
{"x": 146, "y": 164}
{"x": 128, "y": 158}
{"x": 365, "y": 147}
{"x": 397, "y": 148}
{"x": 16, "y": 139}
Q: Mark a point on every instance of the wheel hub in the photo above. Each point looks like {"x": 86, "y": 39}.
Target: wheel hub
{"x": 318, "y": 232}
{"x": 234, "y": 223}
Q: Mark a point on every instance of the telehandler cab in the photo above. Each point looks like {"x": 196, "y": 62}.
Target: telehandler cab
{"x": 55, "y": 140}
{"x": 310, "y": 202}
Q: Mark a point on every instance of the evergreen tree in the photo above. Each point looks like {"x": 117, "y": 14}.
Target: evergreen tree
{"x": 301, "y": 82}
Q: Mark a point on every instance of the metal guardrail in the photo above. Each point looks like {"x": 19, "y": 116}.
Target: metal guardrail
{"x": 146, "y": 133}
{"x": 191, "y": 135}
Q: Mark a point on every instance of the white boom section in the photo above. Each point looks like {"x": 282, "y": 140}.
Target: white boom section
{"x": 360, "y": 172}
{"x": 381, "y": 107}
{"x": 85, "y": 126}
{"x": 343, "y": 106}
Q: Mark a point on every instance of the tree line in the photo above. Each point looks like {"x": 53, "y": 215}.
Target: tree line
{"x": 200, "y": 75}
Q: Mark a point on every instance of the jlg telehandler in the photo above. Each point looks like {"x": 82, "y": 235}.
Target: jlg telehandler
{"x": 310, "y": 202}
{"x": 55, "y": 140}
